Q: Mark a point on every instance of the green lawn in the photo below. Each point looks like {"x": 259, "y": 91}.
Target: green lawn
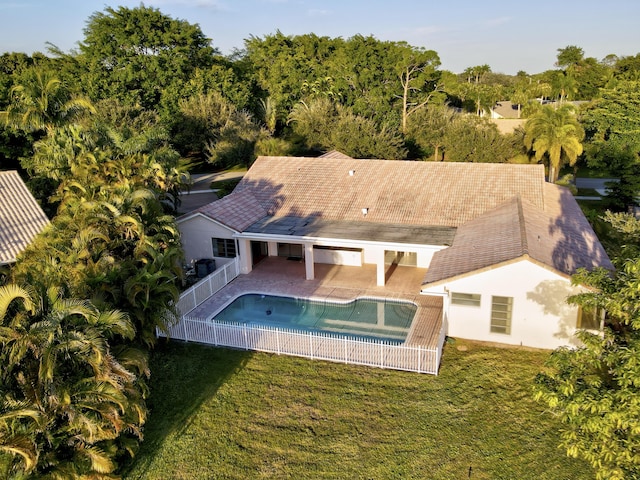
{"x": 219, "y": 413}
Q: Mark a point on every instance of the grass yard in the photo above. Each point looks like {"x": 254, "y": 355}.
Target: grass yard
{"x": 228, "y": 414}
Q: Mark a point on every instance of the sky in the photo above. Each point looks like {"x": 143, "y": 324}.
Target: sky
{"x": 509, "y": 36}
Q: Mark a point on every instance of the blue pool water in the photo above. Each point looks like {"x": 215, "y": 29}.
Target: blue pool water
{"x": 387, "y": 319}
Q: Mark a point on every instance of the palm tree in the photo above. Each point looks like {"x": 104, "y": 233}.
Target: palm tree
{"x": 269, "y": 113}
{"x": 42, "y": 103}
{"x": 565, "y": 85}
{"x": 65, "y": 396}
{"x": 556, "y": 135}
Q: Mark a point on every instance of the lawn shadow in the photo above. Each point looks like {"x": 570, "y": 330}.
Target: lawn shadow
{"x": 183, "y": 377}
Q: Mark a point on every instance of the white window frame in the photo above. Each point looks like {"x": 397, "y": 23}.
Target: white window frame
{"x": 466, "y": 299}
{"x": 501, "y": 307}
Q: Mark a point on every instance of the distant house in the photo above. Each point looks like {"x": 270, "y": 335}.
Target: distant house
{"x": 498, "y": 242}
{"x": 506, "y": 116}
{"x": 21, "y": 218}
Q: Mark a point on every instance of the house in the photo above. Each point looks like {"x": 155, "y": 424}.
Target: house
{"x": 21, "y": 218}
{"x": 498, "y": 242}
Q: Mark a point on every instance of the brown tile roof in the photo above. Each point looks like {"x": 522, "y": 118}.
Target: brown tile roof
{"x": 410, "y": 193}
{"x": 21, "y": 218}
{"x": 236, "y": 210}
{"x": 558, "y": 236}
{"x": 335, "y": 154}
{"x": 570, "y": 241}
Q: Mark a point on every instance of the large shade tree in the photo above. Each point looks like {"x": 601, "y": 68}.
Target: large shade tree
{"x": 322, "y": 125}
{"x": 612, "y": 125}
{"x": 418, "y": 75}
{"x": 595, "y": 389}
{"x": 134, "y": 54}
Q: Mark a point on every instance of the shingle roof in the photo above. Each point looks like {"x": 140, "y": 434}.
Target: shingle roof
{"x": 21, "y": 218}
{"x": 558, "y": 236}
{"x": 236, "y": 210}
{"x": 410, "y": 193}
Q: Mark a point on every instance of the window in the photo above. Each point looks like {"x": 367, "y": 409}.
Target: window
{"x": 470, "y": 299}
{"x": 409, "y": 259}
{"x": 589, "y": 319}
{"x": 501, "y": 308}
{"x": 290, "y": 250}
{"x": 224, "y": 247}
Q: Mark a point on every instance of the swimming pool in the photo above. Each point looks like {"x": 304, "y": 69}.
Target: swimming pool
{"x": 377, "y": 318}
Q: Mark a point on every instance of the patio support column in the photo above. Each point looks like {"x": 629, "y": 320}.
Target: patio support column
{"x": 272, "y": 249}
{"x": 380, "y": 270}
{"x": 308, "y": 261}
{"x": 246, "y": 260}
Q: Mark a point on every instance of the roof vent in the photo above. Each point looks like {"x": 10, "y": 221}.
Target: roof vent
{"x": 365, "y": 211}
{"x": 352, "y": 173}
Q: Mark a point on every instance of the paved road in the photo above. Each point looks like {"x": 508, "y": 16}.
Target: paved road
{"x": 202, "y": 181}
{"x": 595, "y": 183}
{"x": 200, "y": 193}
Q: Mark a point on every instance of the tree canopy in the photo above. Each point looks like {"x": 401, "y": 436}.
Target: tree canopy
{"x": 595, "y": 389}
{"x": 134, "y": 54}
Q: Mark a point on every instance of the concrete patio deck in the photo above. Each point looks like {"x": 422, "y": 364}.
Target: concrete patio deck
{"x": 279, "y": 276}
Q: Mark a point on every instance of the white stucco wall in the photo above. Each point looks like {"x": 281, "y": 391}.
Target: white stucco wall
{"x": 338, "y": 257}
{"x": 196, "y": 234}
{"x": 373, "y": 253}
{"x": 541, "y": 317}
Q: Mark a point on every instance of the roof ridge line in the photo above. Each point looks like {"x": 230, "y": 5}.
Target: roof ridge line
{"x": 523, "y": 227}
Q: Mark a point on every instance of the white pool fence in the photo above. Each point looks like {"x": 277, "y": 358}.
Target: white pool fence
{"x": 312, "y": 344}
{"x": 205, "y": 288}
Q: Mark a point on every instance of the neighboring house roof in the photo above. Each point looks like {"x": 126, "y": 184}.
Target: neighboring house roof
{"x": 335, "y": 154}
{"x": 505, "y": 109}
{"x": 392, "y": 191}
{"x": 558, "y": 236}
{"x": 236, "y": 211}
{"x": 21, "y": 218}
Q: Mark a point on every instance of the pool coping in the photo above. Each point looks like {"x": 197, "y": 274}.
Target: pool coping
{"x": 327, "y": 301}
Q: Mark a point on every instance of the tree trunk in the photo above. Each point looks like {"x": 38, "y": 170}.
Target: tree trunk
{"x": 405, "y": 107}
